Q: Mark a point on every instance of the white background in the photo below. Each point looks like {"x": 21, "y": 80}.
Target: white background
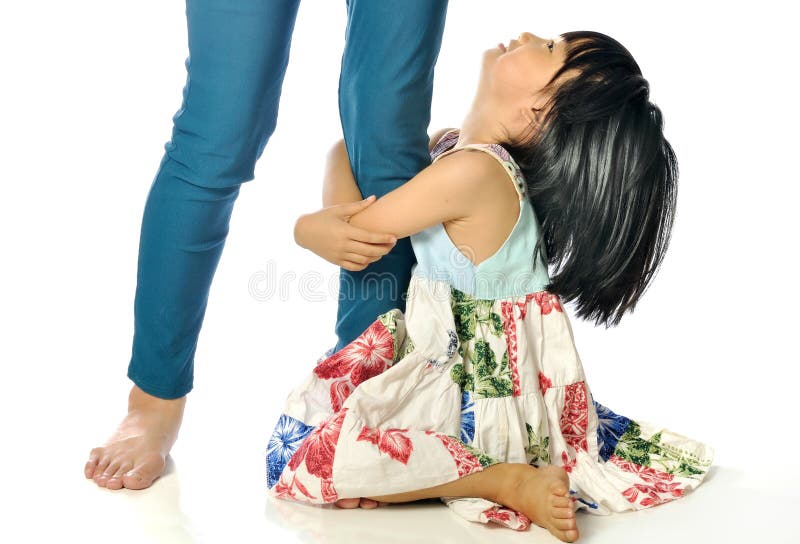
{"x": 89, "y": 89}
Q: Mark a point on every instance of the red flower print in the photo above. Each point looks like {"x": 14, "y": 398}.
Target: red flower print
{"x": 370, "y": 435}
{"x": 466, "y": 463}
{"x": 648, "y": 474}
{"x": 575, "y": 417}
{"x": 566, "y": 463}
{"x": 544, "y": 383}
{"x": 661, "y": 488}
{"x": 547, "y": 302}
{"x": 366, "y": 356}
{"x": 510, "y": 330}
{"x": 318, "y": 448}
{"x": 392, "y": 442}
{"x": 340, "y": 390}
{"x": 328, "y": 492}
{"x": 508, "y": 518}
{"x": 285, "y": 490}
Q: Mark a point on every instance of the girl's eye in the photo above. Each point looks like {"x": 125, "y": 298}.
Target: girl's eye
{"x": 551, "y": 45}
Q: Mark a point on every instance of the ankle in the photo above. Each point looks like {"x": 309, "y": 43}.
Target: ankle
{"x": 510, "y": 476}
{"x": 138, "y": 400}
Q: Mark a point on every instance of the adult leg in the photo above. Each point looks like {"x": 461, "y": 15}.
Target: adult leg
{"x": 385, "y": 93}
{"x": 238, "y": 53}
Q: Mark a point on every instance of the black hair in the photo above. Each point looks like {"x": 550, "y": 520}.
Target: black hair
{"x": 602, "y": 179}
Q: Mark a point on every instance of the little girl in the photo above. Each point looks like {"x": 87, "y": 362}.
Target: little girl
{"x": 476, "y": 393}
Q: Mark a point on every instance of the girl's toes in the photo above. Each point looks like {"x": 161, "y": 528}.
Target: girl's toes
{"x": 561, "y": 502}
{"x": 571, "y": 535}
{"x": 563, "y": 513}
{"x": 368, "y": 503}
{"x": 564, "y": 524}
{"x": 347, "y": 503}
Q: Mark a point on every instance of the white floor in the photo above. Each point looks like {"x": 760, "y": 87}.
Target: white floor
{"x": 213, "y": 491}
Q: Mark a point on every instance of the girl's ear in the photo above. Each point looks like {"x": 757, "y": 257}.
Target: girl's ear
{"x": 534, "y": 111}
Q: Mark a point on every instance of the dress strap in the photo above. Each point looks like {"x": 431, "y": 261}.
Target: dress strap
{"x": 445, "y": 147}
{"x": 446, "y": 141}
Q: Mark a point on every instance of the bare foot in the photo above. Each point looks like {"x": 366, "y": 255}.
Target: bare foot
{"x": 135, "y": 455}
{"x": 542, "y": 494}
{"x": 362, "y": 502}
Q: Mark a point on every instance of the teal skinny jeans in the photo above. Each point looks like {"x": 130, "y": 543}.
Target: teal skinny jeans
{"x": 238, "y": 53}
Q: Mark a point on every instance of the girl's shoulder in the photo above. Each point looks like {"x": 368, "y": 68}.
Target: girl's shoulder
{"x": 445, "y": 145}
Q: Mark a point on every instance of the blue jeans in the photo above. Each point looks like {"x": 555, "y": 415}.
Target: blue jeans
{"x": 238, "y": 53}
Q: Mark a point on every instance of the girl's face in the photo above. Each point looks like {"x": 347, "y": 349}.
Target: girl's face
{"x": 528, "y": 62}
{"x": 514, "y": 74}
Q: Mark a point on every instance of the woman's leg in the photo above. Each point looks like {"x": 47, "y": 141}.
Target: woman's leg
{"x": 385, "y": 92}
{"x": 542, "y": 494}
{"x": 238, "y": 53}
{"x": 384, "y": 101}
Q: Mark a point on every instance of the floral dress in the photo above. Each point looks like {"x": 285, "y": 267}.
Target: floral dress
{"x": 480, "y": 369}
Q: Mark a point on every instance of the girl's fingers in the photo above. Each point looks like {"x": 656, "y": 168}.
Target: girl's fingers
{"x": 349, "y": 208}
{"x": 368, "y": 250}
{"x": 357, "y": 258}
{"x": 362, "y": 235}
{"x": 352, "y": 267}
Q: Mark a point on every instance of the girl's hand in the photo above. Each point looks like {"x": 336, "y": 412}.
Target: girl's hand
{"x": 328, "y": 234}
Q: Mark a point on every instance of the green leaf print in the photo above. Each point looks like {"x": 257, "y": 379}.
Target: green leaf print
{"x": 460, "y": 376}
{"x": 408, "y": 346}
{"x": 463, "y": 307}
{"x": 469, "y": 311}
{"x": 497, "y": 324}
{"x": 652, "y": 453}
{"x": 485, "y": 363}
{"x": 484, "y": 459}
{"x": 538, "y": 446}
{"x": 389, "y": 320}
{"x": 632, "y": 447}
{"x": 479, "y": 370}
{"x": 491, "y": 380}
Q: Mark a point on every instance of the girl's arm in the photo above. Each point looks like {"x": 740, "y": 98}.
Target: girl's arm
{"x": 339, "y": 186}
{"x": 451, "y": 188}
{"x": 343, "y": 232}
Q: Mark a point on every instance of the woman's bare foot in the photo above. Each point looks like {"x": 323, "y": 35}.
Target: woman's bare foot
{"x": 136, "y": 453}
{"x": 356, "y": 502}
{"x": 542, "y": 494}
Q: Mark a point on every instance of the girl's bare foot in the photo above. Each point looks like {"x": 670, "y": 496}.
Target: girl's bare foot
{"x": 362, "y": 502}
{"x": 542, "y": 494}
{"x": 135, "y": 455}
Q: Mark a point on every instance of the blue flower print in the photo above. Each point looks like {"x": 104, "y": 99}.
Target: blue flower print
{"x": 610, "y": 427}
{"x": 581, "y": 499}
{"x": 287, "y": 437}
{"x": 467, "y": 417}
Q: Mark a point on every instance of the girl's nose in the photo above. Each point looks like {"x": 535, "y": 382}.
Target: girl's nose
{"x": 526, "y": 37}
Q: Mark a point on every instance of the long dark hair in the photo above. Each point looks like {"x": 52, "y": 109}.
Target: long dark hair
{"x": 602, "y": 179}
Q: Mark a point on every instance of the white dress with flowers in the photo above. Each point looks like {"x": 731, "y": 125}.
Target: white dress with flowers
{"x": 480, "y": 369}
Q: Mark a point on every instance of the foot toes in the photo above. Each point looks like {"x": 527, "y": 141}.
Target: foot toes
{"x": 560, "y": 502}
{"x": 134, "y": 479}
{"x": 571, "y": 535}
{"x": 91, "y": 464}
{"x": 564, "y": 524}
{"x": 558, "y": 488}
{"x": 115, "y": 481}
{"x": 368, "y": 503}
{"x": 563, "y": 513}
{"x": 347, "y": 503}
{"x": 98, "y": 476}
